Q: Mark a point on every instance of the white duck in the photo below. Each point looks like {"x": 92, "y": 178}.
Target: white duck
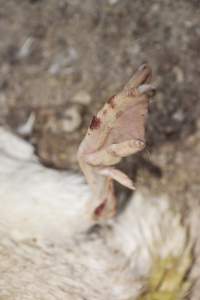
{"x": 49, "y": 247}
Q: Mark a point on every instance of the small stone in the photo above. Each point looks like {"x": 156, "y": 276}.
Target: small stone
{"x": 112, "y": 2}
{"x": 71, "y": 120}
{"x": 179, "y": 116}
{"x": 64, "y": 61}
{"x": 82, "y": 97}
{"x": 155, "y": 7}
{"x": 179, "y": 74}
{"x": 26, "y": 48}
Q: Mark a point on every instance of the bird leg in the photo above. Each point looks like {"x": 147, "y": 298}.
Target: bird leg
{"x": 118, "y": 130}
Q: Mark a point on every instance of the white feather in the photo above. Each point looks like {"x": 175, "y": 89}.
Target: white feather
{"x": 46, "y": 250}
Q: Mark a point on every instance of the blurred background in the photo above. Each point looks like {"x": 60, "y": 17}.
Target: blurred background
{"x": 60, "y": 60}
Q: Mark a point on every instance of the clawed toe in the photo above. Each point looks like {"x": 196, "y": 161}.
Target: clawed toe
{"x": 148, "y": 89}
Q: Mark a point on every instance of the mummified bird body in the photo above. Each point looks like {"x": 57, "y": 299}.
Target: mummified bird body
{"x": 49, "y": 247}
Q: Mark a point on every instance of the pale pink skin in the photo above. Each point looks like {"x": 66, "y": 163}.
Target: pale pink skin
{"x": 118, "y": 130}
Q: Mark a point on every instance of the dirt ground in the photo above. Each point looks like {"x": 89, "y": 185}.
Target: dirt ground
{"x": 60, "y": 60}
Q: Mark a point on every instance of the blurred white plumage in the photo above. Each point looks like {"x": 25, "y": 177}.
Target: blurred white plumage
{"x": 46, "y": 251}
